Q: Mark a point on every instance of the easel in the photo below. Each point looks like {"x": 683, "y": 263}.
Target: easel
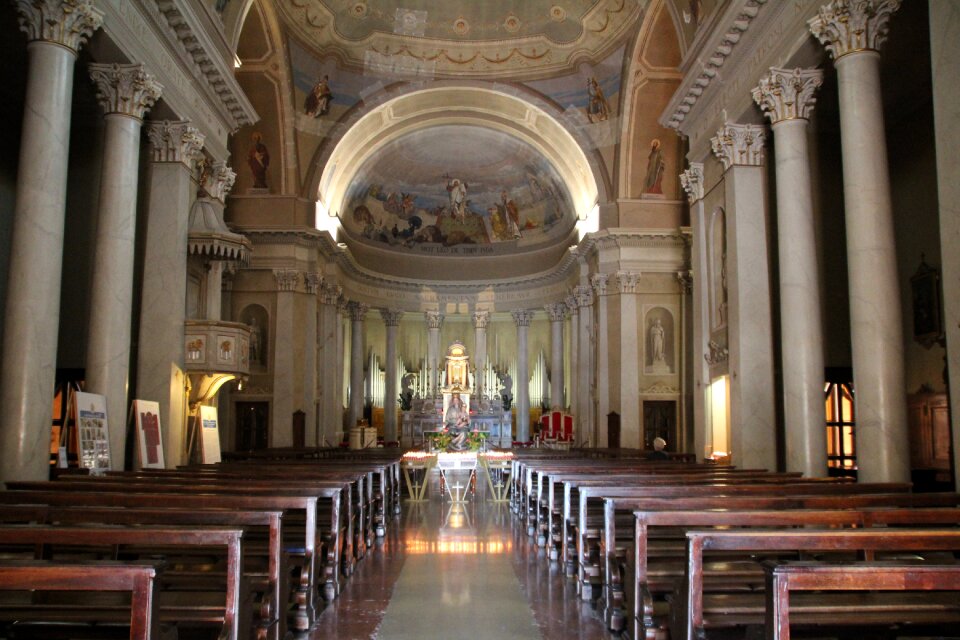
{"x": 69, "y": 439}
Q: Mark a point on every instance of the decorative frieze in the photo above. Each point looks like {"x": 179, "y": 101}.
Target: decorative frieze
{"x": 692, "y": 182}
{"x": 391, "y": 317}
{"x": 739, "y": 144}
{"x": 599, "y": 283}
{"x": 312, "y": 281}
{"x": 65, "y": 22}
{"x": 848, "y": 26}
{"x": 627, "y": 281}
{"x": 481, "y": 319}
{"x": 125, "y": 89}
{"x": 786, "y": 94}
{"x": 718, "y": 354}
{"x": 523, "y": 317}
{"x": 434, "y": 319}
{"x": 174, "y": 141}
{"x": 287, "y": 279}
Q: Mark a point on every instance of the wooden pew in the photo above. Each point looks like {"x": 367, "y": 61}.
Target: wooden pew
{"x": 782, "y": 579}
{"x": 226, "y": 616}
{"x": 698, "y": 612}
{"x": 312, "y": 582}
{"x": 267, "y": 576}
{"x": 138, "y": 580}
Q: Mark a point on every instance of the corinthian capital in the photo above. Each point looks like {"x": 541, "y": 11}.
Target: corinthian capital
{"x": 738, "y": 144}
{"x": 848, "y": 26}
{"x": 434, "y": 319}
{"x": 125, "y": 89}
{"x": 391, "y": 318}
{"x": 481, "y": 319}
{"x": 599, "y": 283}
{"x": 357, "y": 310}
{"x": 174, "y": 141}
{"x": 557, "y": 311}
{"x": 312, "y": 280}
{"x": 692, "y": 181}
{"x": 330, "y": 293}
{"x": 584, "y": 295}
{"x": 627, "y": 281}
{"x": 786, "y": 94}
{"x": 65, "y": 22}
{"x": 522, "y": 317}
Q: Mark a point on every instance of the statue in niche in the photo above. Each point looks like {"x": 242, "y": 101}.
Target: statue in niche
{"x": 256, "y": 342}
{"x": 457, "y": 423}
{"x": 258, "y": 158}
{"x": 656, "y": 342}
{"x": 406, "y": 393}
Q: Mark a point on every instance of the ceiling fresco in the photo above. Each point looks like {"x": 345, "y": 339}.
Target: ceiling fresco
{"x": 456, "y": 187}
{"x": 482, "y": 39}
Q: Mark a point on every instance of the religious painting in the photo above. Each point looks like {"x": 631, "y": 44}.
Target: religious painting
{"x": 150, "y": 449}
{"x": 258, "y": 159}
{"x": 317, "y": 102}
{"x": 450, "y": 186}
{"x": 324, "y": 90}
{"x": 925, "y": 289}
{"x": 653, "y": 180}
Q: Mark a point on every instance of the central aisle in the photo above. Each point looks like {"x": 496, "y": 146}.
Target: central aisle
{"x": 451, "y": 570}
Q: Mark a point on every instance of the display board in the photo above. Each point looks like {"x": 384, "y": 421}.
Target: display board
{"x": 93, "y": 434}
{"x": 146, "y": 415}
{"x": 210, "y": 435}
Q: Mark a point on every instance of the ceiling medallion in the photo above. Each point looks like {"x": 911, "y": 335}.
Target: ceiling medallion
{"x": 461, "y": 27}
{"x": 359, "y": 10}
{"x": 558, "y": 13}
{"x": 512, "y": 23}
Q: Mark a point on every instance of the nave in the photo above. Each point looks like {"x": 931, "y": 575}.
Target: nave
{"x": 458, "y": 570}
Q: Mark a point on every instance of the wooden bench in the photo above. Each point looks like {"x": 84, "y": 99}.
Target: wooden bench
{"x": 38, "y": 576}
{"x": 697, "y": 612}
{"x": 782, "y": 579}
{"x": 265, "y": 568}
{"x": 182, "y": 609}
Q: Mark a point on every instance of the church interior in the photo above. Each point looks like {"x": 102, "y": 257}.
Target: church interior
{"x": 416, "y": 316}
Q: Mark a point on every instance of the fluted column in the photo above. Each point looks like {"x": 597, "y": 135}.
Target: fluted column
{"x": 56, "y": 30}
{"x": 749, "y": 324}
{"x": 357, "y": 311}
{"x": 284, "y": 353}
{"x": 480, "y": 321}
{"x": 853, "y": 32}
{"x": 692, "y": 182}
{"x": 787, "y": 98}
{"x": 160, "y": 375}
{"x": 392, "y": 320}
{"x": 607, "y": 361}
{"x": 631, "y": 433}
{"x": 557, "y": 312}
{"x": 331, "y": 411}
{"x": 585, "y": 418}
{"x": 573, "y": 399}
{"x": 312, "y": 281}
{"x": 434, "y": 323}
{"x": 522, "y": 319}
{"x": 125, "y": 92}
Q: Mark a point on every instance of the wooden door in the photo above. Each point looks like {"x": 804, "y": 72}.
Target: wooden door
{"x": 660, "y": 421}
{"x": 252, "y": 425}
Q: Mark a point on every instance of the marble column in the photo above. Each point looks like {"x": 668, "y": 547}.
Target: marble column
{"x": 692, "y": 182}
{"x": 434, "y": 323}
{"x": 557, "y": 312}
{"x": 284, "y": 346}
{"x": 331, "y": 409}
{"x": 749, "y": 324}
{"x": 481, "y": 319}
{"x": 312, "y": 282}
{"x": 945, "y": 54}
{"x": 585, "y": 417}
{"x": 160, "y": 362}
{"x": 357, "y": 311}
{"x": 852, "y": 32}
{"x": 631, "y": 431}
{"x": 56, "y": 31}
{"x": 125, "y": 92}
{"x": 392, "y": 321}
{"x": 523, "y": 318}
{"x": 343, "y": 366}
{"x": 607, "y": 396}
{"x": 573, "y": 399}
{"x": 787, "y": 98}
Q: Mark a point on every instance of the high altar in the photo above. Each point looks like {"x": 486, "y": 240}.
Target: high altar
{"x": 429, "y": 413}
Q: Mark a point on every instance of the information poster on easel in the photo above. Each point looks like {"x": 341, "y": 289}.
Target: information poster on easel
{"x": 209, "y": 435}
{"x": 93, "y": 435}
{"x": 146, "y": 415}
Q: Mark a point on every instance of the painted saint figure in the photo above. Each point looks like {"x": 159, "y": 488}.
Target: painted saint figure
{"x": 653, "y": 181}
{"x": 597, "y": 107}
{"x": 458, "y": 198}
{"x": 512, "y": 214}
{"x": 317, "y": 102}
{"x": 258, "y": 158}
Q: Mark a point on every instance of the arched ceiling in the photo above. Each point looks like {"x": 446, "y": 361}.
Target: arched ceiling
{"x": 466, "y": 175}
{"x": 481, "y": 38}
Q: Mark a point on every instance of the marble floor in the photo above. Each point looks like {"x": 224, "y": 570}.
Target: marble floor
{"x": 457, "y": 570}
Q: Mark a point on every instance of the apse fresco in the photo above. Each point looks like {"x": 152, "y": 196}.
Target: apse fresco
{"x": 457, "y": 186}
